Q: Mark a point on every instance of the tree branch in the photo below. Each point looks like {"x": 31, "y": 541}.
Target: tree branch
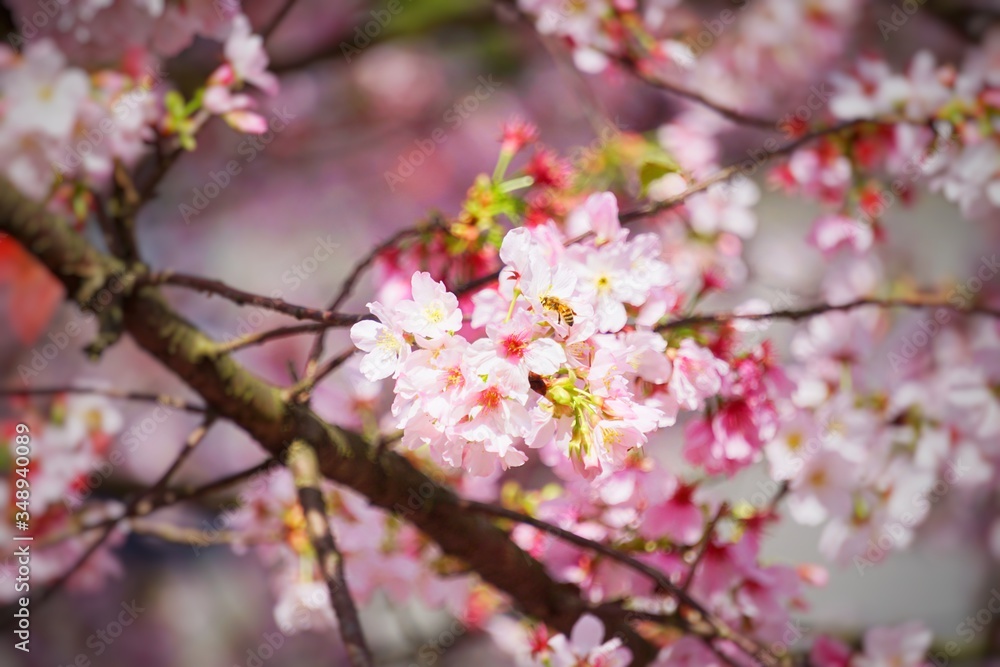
{"x": 162, "y": 399}
{"x": 305, "y": 469}
{"x": 190, "y": 443}
{"x": 389, "y": 481}
{"x": 692, "y": 614}
{"x": 729, "y": 172}
{"x": 351, "y": 282}
{"x": 633, "y": 66}
{"x": 244, "y": 298}
{"x": 631, "y": 63}
{"x": 795, "y": 315}
{"x": 266, "y": 336}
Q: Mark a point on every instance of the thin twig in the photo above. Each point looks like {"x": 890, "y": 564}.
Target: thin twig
{"x": 700, "y": 619}
{"x": 703, "y": 545}
{"x": 304, "y": 465}
{"x": 164, "y": 158}
{"x": 630, "y": 63}
{"x": 301, "y": 391}
{"x": 81, "y": 560}
{"x": 167, "y": 498}
{"x": 282, "y": 12}
{"x": 727, "y": 173}
{"x": 244, "y": 298}
{"x": 652, "y": 208}
{"x": 795, "y": 315}
{"x": 189, "y": 536}
{"x": 125, "y": 203}
{"x": 162, "y": 399}
{"x": 266, "y": 336}
{"x": 190, "y": 443}
{"x": 352, "y": 280}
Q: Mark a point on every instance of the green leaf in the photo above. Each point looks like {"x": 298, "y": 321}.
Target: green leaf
{"x": 174, "y": 102}
{"x": 655, "y": 168}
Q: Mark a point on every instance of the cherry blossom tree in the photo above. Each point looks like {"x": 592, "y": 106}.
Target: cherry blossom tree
{"x": 557, "y": 378}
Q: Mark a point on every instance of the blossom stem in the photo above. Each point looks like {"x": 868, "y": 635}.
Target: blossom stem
{"x": 805, "y": 313}
{"x": 304, "y": 465}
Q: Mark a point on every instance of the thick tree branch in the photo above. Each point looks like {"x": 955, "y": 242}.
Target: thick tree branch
{"x": 389, "y": 481}
{"x": 692, "y": 615}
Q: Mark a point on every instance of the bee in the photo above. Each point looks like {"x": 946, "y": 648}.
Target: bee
{"x": 564, "y": 312}
{"x": 537, "y": 383}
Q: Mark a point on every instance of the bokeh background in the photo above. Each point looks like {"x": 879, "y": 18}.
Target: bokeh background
{"x": 354, "y": 114}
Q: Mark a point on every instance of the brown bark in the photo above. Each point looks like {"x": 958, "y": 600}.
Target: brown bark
{"x": 387, "y": 479}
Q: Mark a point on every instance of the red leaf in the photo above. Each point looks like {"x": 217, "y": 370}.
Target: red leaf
{"x": 34, "y": 293}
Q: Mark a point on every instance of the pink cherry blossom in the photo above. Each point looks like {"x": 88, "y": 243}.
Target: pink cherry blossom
{"x": 432, "y": 313}
{"x": 900, "y": 646}
{"x": 586, "y": 647}
{"x": 245, "y": 53}
{"x": 383, "y": 341}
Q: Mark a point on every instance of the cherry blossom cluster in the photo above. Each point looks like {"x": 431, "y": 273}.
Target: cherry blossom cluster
{"x": 648, "y": 512}
{"x": 72, "y": 442}
{"x": 381, "y": 554}
{"x": 53, "y": 114}
{"x": 585, "y": 647}
{"x": 64, "y": 125}
{"x": 876, "y": 435}
{"x": 877, "y": 427}
{"x": 899, "y": 646}
{"x": 554, "y": 366}
{"x": 781, "y": 39}
{"x": 933, "y": 124}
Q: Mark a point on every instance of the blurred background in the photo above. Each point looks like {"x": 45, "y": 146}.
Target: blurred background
{"x": 340, "y": 178}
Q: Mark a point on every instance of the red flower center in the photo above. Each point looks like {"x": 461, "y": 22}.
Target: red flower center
{"x": 514, "y": 346}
